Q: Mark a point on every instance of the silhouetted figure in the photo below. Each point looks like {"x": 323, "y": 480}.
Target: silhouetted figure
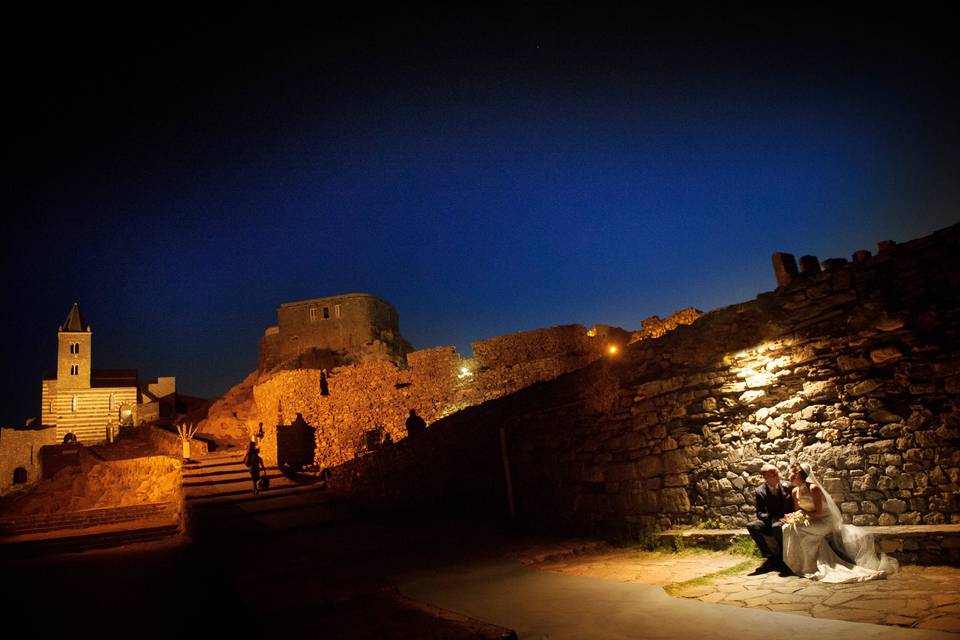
{"x": 415, "y": 424}
{"x": 324, "y": 389}
{"x": 255, "y": 463}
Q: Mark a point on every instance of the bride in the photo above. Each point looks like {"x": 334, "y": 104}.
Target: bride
{"x": 809, "y": 532}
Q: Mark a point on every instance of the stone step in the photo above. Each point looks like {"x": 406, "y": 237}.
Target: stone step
{"x": 42, "y": 523}
{"x": 22, "y": 549}
{"x": 192, "y": 470}
{"x": 230, "y": 477}
{"x": 240, "y": 491}
{"x": 933, "y": 544}
{"x": 239, "y": 522}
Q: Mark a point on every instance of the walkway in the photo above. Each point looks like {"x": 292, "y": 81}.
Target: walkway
{"x": 541, "y": 604}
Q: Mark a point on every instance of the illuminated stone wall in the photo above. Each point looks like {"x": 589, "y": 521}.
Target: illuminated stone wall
{"x": 20, "y": 449}
{"x": 436, "y": 383}
{"x": 855, "y": 369}
{"x": 351, "y": 325}
{"x": 96, "y": 484}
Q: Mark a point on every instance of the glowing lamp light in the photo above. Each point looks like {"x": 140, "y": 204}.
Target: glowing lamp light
{"x": 612, "y": 349}
{"x": 464, "y": 372}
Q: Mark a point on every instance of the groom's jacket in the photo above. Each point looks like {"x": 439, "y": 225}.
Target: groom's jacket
{"x": 773, "y": 504}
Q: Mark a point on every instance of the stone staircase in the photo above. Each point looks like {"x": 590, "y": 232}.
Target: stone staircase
{"x": 24, "y": 537}
{"x": 220, "y": 500}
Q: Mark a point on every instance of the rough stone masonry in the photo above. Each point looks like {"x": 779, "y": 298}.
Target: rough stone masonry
{"x": 854, "y": 368}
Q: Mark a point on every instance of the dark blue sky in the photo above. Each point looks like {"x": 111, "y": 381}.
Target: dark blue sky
{"x": 181, "y": 177}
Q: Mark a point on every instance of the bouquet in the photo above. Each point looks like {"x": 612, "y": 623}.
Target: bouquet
{"x": 798, "y": 518}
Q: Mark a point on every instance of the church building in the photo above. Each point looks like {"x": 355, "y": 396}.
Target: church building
{"x": 82, "y": 400}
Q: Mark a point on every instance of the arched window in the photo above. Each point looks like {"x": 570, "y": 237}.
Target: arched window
{"x": 19, "y": 476}
{"x": 74, "y": 369}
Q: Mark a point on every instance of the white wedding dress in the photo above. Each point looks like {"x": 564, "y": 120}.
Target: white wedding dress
{"x": 807, "y": 550}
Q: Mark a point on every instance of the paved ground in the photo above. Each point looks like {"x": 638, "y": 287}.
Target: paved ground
{"x": 545, "y": 604}
{"x": 921, "y": 597}
{"x": 918, "y": 597}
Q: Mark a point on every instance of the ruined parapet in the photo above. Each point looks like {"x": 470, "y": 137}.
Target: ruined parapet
{"x": 785, "y": 268}
{"x": 654, "y": 327}
{"x": 809, "y": 265}
{"x": 514, "y": 348}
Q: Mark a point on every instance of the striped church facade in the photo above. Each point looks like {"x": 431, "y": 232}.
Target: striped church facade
{"x": 81, "y": 400}
{"x": 87, "y": 413}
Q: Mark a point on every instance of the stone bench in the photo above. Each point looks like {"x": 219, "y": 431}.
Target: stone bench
{"x": 909, "y": 544}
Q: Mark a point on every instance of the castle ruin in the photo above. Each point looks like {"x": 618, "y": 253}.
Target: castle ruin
{"x": 330, "y": 331}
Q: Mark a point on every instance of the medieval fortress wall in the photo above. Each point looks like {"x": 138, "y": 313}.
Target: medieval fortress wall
{"x": 437, "y": 382}
{"x": 855, "y": 369}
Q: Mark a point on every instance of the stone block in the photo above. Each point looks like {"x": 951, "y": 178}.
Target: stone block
{"x": 676, "y": 480}
{"x": 881, "y": 446}
{"x": 885, "y": 354}
{"x": 863, "y": 387}
{"x": 809, "y": 265}
{"x": 894, "y": 505}
{"x": 886, "y": 520}
{"x": 649, "y": 466}
{"x": 852, "y": 363}
{"x": 821, "y": 390}
{"x": 784, "y": 268}
{"x": 883, "y": 416}
{"x": 864, "y": 520}
{"x": 620, "y": 471}
{"x": 677, "y": 461}
{"x": 750, "y": 397}
{"x": 675, "y": 501}
{"x": 911, "y": 517}
{"x": 849, "y": 507}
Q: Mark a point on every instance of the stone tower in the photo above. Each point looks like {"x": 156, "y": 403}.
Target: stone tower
{"x": 75, "y": 340}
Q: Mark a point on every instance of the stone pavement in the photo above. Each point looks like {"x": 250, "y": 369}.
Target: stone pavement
{"x": 916, "y": 597}
{"x": 544, "y": 604}
{"x": 920, "y": 597}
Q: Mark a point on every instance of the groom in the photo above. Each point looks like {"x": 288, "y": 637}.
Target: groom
{"x": 774, "y": 500}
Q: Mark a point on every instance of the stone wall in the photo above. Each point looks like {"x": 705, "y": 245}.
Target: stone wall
{"x": 95, "y": 485}
{"x": 350, "y": 325}
{"x": 166, "y": 441}
{"x": 436, "y": 383}
{"x": 20, "y": 449}
{"x": 855, "y": 369}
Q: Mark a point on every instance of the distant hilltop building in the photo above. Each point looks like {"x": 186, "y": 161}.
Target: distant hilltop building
{"x": 87, "y": 402}
{"x": 326, "y": 332}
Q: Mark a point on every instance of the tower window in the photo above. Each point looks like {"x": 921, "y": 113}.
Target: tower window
{"x": 313, "y": 314}
{"x": 336, "y": 311}
{"x": 75, "y": 347}
{"x": 326, "y": 313}
{"x": 74, "y": 369}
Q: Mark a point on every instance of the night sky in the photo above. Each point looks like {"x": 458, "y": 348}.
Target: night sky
{"x": 182, "y": 175}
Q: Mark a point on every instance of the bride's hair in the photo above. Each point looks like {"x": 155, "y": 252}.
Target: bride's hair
{"x": 803, "y": 468}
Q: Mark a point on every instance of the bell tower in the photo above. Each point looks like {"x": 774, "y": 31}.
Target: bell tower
{"x": 74, "y": 359}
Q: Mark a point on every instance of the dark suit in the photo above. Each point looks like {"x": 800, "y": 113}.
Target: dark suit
{"x": 772, "y": 504}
